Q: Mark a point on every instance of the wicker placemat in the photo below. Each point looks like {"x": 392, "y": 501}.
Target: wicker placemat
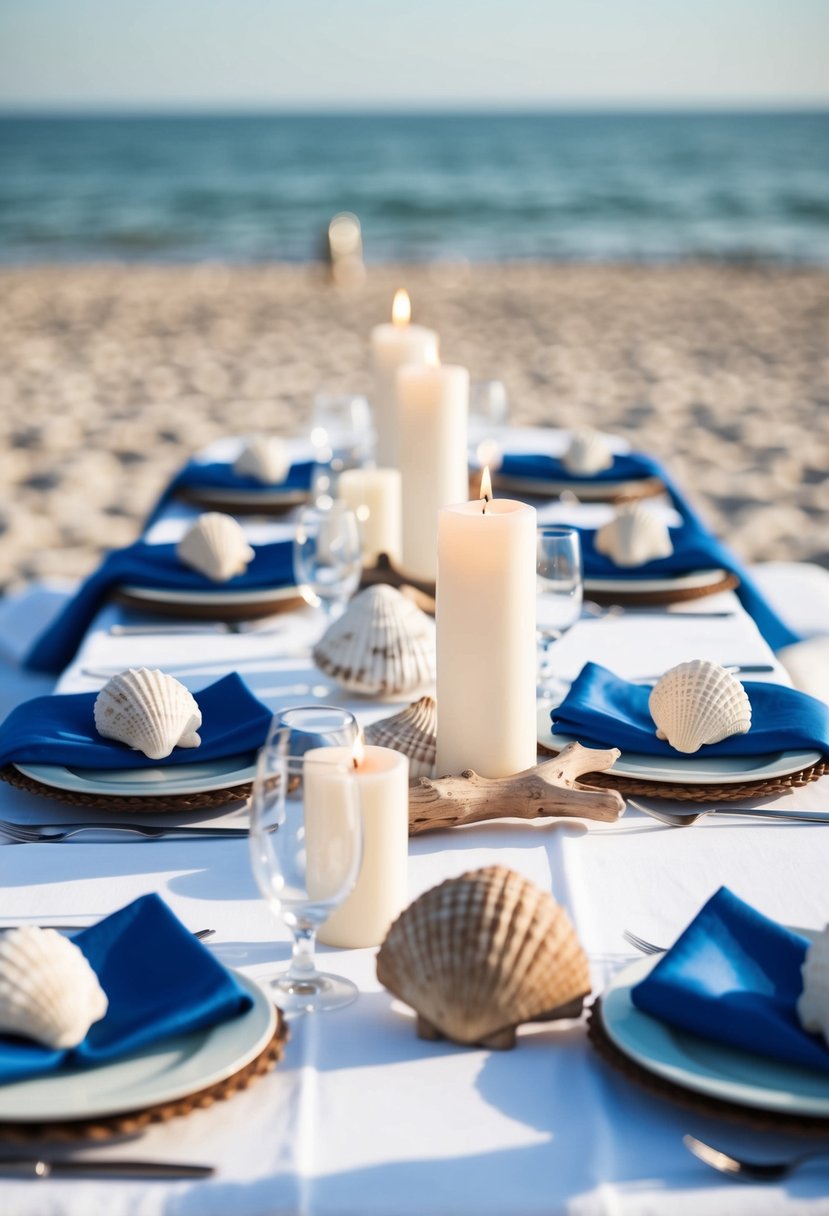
{"x": 671, "y": 595}
{"x": 127, "y": 1124}
{"x": 701, "y": 1104}
{"x": 213, "y": 800}
{"x": 193, "y": 611}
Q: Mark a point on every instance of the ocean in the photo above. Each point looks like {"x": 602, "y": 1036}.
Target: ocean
{"x": 645, "y": 187}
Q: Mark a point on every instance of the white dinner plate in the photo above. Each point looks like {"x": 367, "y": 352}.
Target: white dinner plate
{"x": 164, "y": 1073}
{"x": 587, "y": 490}
{"x": 695, "y": 770}
{"x": 708, "y": 1068}
{"x": 147, "y": 782}
{"x": 694, "y": 580}
{"x": 218, "y": 599}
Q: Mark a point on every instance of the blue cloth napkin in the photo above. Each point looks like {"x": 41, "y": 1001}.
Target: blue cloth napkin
{"x": 154, "y": 566}
{"x": 603, "y": 710}
{"x": 734, "y": 977}
{"x": 159, "y": 980}
{"x": 61, "y": 730}
{"x": 220, "y": 475}
{"x": 627, "y": 466}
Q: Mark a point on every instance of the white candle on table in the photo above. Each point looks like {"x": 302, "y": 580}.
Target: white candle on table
{"x": 392, "y": 346}
{"x": 486, "y": 649}
{"x": 375, "y": 497}
{"x": 433, "y": 412}
{"x": 381, "y": 891}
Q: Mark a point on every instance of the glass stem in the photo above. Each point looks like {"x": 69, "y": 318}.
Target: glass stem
{"x": 303, "y": 967}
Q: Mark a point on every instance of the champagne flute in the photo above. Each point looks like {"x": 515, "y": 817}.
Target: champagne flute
{"x": 559, "y": 589}
{"x": 328, "y": 558}
{"x": 306, "y": 851}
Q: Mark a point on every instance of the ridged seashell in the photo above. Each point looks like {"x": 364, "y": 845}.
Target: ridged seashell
{"x": 589, "y": 452}
{"x": 48, "y": 991}
{"x": 480, "y": 954}
{"x": 149, "y": 711}
{"x": 265, "y": 458}
{"x": 634, "y": 536}
{"x": 216, "y": 546}
{"x": 382, "y": 645}
{"x": 413, "y": 732}
{"x": 698, "y": 703}
{"x": 813, "y": 1003}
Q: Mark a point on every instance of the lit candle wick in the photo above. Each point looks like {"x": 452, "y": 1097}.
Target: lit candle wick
{"x": 486, "y": 488}
{"x": 401, "y": 309}
{"x": 358, "y": 752}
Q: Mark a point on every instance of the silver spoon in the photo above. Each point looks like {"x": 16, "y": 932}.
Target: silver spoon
{"x": 756, "y": 1171}
{"x": 684, "y": 819}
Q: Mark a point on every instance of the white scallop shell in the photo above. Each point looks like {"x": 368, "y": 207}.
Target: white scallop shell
{"x": 413, "y": 732}
{"x": 216, "y": 546}
{"x": 634, "y": 536}
{"x": 48, "y": 991}
{"x": 813, "y": 1004}
{"x": 149, "y": 711}
{"x": 589, "y": 452}
{"x": 698, "y": 703}
{"x": 265, "y": 458}
{"x": 382, "y": 645}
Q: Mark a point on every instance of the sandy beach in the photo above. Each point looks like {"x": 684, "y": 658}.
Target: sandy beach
{"x": 111, "y": 376}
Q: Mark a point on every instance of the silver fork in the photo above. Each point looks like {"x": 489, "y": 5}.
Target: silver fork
{"x": 17, "y": 833}
{"x": 757, "y": 1171}
{"x": 684, "y": 819}
{"x": 640, "y": 944}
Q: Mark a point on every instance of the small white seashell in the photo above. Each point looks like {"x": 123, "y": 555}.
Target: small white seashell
{"x": 149, "y": 711}
{"x": 589, "y": 452}
{"x": 634, "y": 536}
{"x": 216, "y": 546}
{"x": 699, "y": 703}
{"x": 382, "y": 644}
{"x": 265, "y": 458}
{"x": 48, "y": 991}
{"x": 813, "y": 1003}
{"x": 413, "y": 732}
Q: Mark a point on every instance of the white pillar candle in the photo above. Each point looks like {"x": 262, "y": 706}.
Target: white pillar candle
{"x": 375, "y": 497}
{"x": 381, "y": 892}
{"x": 392, "y": 346}
{"x": 433, "y": 405}
{"x": 486, "y": 638}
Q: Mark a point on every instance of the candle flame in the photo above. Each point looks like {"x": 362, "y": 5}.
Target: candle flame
{"x": 358, "y": 751}
{"x": 486, "y": 488}
{"x": 401, "y": 309}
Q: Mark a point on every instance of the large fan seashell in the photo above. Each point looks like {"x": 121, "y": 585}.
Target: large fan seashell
{"x": 413, "y": 732}
{"x": 48, "y": 991}
{"x": 634, "y": 536}
{"x": 149, "y": 711}
{"x": 813, "y": 1003}
{"x": 216, "y": 546}
{"x": 382, "y": 645}
{"x": 698, "y": 703}
{"x": 589, "y": 452}
{"x": 265, "y": 458}
{"x": 480, "y": 954}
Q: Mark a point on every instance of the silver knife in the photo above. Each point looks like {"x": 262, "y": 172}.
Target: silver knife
{"x": 38, "y": 1167}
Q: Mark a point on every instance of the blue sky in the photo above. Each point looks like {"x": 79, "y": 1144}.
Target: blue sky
{"x": 260, "y": 54}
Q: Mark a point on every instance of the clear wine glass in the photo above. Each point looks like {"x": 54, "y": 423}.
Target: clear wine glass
{"x": 328, "y": 556}
{"x": 559, "y": 588}
{"x": 306, "y": 849}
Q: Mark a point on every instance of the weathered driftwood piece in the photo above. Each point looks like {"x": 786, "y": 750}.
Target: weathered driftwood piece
{"x": 551, "y": 788}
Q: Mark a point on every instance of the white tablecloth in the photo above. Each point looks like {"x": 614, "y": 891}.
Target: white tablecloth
{"x": 362, "y": 1117}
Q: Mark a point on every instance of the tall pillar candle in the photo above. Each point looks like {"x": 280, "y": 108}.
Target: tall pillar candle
{"x": 486, "y": 654}
{"x": 433, "y": 404}
{"x": 375, "y": 496}
{"x": 382, "y": 891}
{"x": 393, "y": 345}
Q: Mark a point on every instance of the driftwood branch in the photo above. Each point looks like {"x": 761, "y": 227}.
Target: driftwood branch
{"x": 549, "y": 789}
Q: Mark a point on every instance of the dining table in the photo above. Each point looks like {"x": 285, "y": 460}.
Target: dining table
{"x": 361, "y": 1117}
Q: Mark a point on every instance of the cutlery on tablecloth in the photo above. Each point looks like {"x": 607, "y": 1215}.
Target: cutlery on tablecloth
{"x": 597, "y": 612}
{"x": 684, "y": 819}
{"x": 201, "y": 934}
{"x": 208, "y": 627}
{"x": 39, "y": 1167}
{"x": 47, "y": 833}
{"x": 756, "y": 1171}
{"x": 735, "y": 669}
{"x": 641, "y": 944}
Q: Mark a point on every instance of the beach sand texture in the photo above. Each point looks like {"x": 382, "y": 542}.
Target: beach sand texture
{"x": 111, "y": 376}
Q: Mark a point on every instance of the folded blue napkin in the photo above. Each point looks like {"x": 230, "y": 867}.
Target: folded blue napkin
{"x": 734, "y": 977}
{"x": 61, "y": 730}
{"x": 220, "y": 475}
{"x": 627, "y": 466}
{"x": 159, "y": 981}
{"x": 154, "y": 566}
{"x": 603, "y": 710}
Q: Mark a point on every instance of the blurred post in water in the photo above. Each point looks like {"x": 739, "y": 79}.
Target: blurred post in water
{"x": 344, "y": 246}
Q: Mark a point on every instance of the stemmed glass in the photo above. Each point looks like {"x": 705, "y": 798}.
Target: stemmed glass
{"x": 328, "y": 557}
{"x": 559, "y": 589}
{"x": 306, "y": 845}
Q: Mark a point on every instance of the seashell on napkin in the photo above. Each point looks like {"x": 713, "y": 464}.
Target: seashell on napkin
{"x": 698, "y": 703}
{"x": 149, "y": 711}
{"x": 264, "y": 458}
{"x": 634, "y": 536}
{"x": 216, "y": 546}
{"x": 589, "y": 452}
{"x": 48, "y": 991}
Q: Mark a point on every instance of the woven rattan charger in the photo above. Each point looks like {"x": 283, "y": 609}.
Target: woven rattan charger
{"x": 151, "y": 804}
